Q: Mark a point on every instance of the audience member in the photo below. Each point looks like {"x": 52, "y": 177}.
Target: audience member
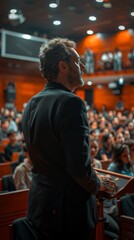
{"x": 130, "y": 144}
{"x": 94, "y": 147}
{"x": 121, "y": 160}
{"x": 12, "y": 146}
{"x": 89, "y": 61}
{"x": 131, "y": 57}
{"x": 120, "y": 105}
{"x": 12, "y": 124}
{"x": 106, "y": 147}
{"x": 115, "y": 123}
{"x": 23, "y": 175}
{"x": 117, "y": 60}
{"x": 4, "y": 129}
{"x": 127, "y": 134}
{"x": 93, "y": 134}
{"x": 119, "y": 137}
{"x": 107, "y": 61}
{"x": 111, "y": 228}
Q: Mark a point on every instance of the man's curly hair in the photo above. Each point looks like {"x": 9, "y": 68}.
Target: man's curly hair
{"x": 58, "y": 49}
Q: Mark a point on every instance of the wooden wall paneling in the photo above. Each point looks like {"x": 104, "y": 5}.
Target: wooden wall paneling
{"x": 26, "y": 87}
{"x": 5, "y": 169}
{"x": 128, "y": 96}
{"x": 80, "y": 93}
{"x": 104, "y": 96}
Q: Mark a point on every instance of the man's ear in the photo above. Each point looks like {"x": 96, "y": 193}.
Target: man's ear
{"x": 63, "y": 66}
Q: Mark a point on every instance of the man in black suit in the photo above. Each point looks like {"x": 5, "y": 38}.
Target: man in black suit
{"x": 62, "y": 202}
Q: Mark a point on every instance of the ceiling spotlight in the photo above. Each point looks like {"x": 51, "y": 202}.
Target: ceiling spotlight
{"x": 57, "y": 22}
{"x": 90, "y": 32}
{"x": 89, "y": 83}
{"x": 92, "y": 18}
{"x": 13, "y": 11}
{"x": 99, "y": 1}
{"x": 132, "y": 14}
{"x": 121, "y": 27}
{"x": 54, "y": 3}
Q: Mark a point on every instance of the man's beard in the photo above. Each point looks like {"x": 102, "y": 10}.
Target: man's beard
{"x": 80, "y": 81}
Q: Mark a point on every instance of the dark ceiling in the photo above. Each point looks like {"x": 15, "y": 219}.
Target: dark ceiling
{"x": 73, "y": 15}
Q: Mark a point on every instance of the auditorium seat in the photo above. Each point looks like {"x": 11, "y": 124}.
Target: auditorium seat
{"x": 15, "y": 156}
{"x": 126, "y": 217}
{"x": 5, "y": 169}
{"x": 22, "y": 229}
{"x": 8, "y": 183}
{"x": 13, "y": 166}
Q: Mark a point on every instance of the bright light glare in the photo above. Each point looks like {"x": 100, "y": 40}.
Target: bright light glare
{"x": 53, "y": 5}
{"x": 92, "y": 18}
{"x": 132, "y": 14}
{"x": 13, "y": 11}
{"x": 57, "y": 22}
{"x": 121, "y": 27}
{"x": 121, "y": 80}
{"x": 89, "y": 83}
{"x": 13, "y": 16}
{"x": 26, "y": 36}
{"x": 90, "y": 32}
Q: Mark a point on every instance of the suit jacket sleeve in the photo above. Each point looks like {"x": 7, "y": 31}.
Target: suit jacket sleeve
{"x": 73, "y": 130}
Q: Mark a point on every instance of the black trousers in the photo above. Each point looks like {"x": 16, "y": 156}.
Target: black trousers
{"x": 22, "y": 229}
{"x": 68, "y": 236}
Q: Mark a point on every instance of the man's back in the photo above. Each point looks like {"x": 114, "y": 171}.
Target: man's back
{"x": 50, "y": 125}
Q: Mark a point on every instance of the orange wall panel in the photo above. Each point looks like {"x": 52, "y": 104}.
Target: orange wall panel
{"x": 26, "y": 87}
{"x": 104, "y": 96}
{"x": 81, "y": 93}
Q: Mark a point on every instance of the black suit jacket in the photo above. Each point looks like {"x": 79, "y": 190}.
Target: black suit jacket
{"x": 62, "y": 192}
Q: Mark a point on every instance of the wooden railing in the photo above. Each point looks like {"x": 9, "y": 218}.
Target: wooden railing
{"x": 13, "y": 205}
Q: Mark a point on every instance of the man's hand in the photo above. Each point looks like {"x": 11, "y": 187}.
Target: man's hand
{"x": 108, "y": 185}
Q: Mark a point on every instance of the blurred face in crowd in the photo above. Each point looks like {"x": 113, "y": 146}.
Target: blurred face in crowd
{"x": 12, "y": 114}
{"x": 13, "y": 138}
{"x": 115, "y": 121}
{"x": 125, "y": 155}
{"x": 126, "y": 134}
{"x": 110, "y": 114}
{"x": 119, "y": 115}
{"x": 109, "y": 141}
{"x": 102, "y": 123}
{"x": 130, "y": 126}
{"x": 5, "y": 125}
{"x": 93, "y": 148}
{"x": 94, "y": 134}
{"x": 6, "y": 113}
{"x": 120, "y": 138}
{"x": 112, "y": 138}
{"x": 93, "y": 125}
{"x": 131, "y": 149}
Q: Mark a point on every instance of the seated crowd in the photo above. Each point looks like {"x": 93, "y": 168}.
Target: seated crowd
{"x": 111, "y": 132}
{"x": 111, "y": 139}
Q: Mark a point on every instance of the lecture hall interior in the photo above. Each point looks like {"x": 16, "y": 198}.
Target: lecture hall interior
{"x": 103, "y": 31}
